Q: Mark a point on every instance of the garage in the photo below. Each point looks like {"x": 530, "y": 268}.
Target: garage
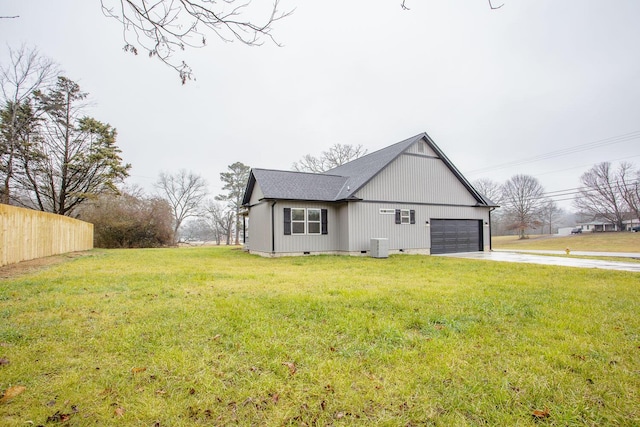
{"x": 455, "y": 235}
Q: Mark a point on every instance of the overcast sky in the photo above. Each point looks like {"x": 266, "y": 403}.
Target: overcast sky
{"x": 491, "y": 87}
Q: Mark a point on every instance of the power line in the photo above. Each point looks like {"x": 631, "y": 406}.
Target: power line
{"x": 565, "y": 151}
{"x": 573, "y": 192}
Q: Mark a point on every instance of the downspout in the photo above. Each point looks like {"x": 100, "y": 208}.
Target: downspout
{"x": 273, "y": 228}
{"x": 244, "y": 229}
{"x": 490, "y": 240}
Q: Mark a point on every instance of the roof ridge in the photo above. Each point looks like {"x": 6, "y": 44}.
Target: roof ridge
{"x": 300, "y": 172}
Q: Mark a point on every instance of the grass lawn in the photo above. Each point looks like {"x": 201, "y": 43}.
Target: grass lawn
{"x": 597, "y": 242}
{"x": 214, "y": 336}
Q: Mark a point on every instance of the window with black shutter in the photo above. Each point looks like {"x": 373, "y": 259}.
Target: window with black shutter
{"x": 323, "y": 214}
{"x": 305, "y": 221}
{"x": 287, "y": 221}
{"x": 405, "y": 216}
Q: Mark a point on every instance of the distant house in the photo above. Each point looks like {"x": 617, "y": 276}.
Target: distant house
{"x": 408, "y": 193}
{"x": 598, "y": 226}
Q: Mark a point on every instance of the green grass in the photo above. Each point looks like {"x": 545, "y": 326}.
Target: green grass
{"x": 597, "y": 242}
{"x": 212, "y": 336}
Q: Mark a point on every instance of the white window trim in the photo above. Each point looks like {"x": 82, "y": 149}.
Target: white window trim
{"x": 297, "y": 221}
{"x": 319, "y": 221}
{"x": 405, "y": 216}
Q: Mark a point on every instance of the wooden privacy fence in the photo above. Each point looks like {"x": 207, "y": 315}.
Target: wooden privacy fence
{"x": 27, "y": 234}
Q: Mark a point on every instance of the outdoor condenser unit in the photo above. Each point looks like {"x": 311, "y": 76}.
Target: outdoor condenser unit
{"x": 379, "y": 248}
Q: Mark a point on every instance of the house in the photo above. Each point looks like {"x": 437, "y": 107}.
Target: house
{"x": 408, "y": 193}
{"x": 598, "y": 225}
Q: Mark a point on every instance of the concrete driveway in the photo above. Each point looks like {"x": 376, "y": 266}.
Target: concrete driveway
{"x": 564, "y": 261}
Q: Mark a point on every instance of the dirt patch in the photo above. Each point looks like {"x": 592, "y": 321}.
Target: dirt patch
{"x": 34, "y": 265}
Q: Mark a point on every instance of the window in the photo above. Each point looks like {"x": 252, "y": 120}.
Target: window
{"x": 404, "y": 216}
{"x": 313, "y": 221}
{"x": 297, "y": 221}
{"x": 305, "y": 221}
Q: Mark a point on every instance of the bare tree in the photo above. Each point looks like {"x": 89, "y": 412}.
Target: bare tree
{"x": 600, "y": 194}
{"x": 523, "y": 202}
{"x": 336, "y": 155}
{"x": 185, "y": 192}
{"x": 220, "y": 220}
{"x": 492, "y": 191}
{"x": 489, "y": 188}
{"x": 551, "y": 214}
{"x": 163, "y": 27}
{"x": 25, "y": 72}
{"x": 235, "y": 182}
{"x": 629, "y": 185}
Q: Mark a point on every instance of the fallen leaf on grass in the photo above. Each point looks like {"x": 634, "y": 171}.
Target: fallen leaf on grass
{"x": 12, "y": 392}
{"x": 119, "y": 412}
{"x": 291, "y": 366}
{"x": 59, "y": 418}
{"x": 4, "y": 361}
{"x": 439, "y": 327}
{"x": 137, "y": 370}
{"x": 540, "y": 414}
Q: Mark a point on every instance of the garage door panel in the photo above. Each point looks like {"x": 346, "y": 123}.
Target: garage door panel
{"x": 455, "y": 235}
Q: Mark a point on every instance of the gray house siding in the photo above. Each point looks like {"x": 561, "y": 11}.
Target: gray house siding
{"x": 421, "y": 148}
{"x": 412, "y": 178}
{"x": 367, "y": 221}
{"x": 259, "y": 236}
{"x": 301, "y": 243}
{"x": 364, "y": 199}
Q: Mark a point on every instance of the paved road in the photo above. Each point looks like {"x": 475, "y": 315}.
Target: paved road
{"x": 517, "y": 256}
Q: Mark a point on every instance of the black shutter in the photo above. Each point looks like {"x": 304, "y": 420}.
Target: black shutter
{"x": 323, "y": 219}
{"x": 398, "y": 221}
{"x": 287, "y": 221}
{"x": 412, "y": 216}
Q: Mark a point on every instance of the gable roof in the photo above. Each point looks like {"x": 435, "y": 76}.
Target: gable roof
{"x": 342, "y": 182}
{"x": 361, "y": 170}
{"x": 288, "y": 185}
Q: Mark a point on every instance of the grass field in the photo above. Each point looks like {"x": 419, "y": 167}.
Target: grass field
{"x": 599, "y": 242}
{"x": 214, "y": 336}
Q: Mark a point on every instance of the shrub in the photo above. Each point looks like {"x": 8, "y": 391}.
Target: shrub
{"x": 130, "y": 220}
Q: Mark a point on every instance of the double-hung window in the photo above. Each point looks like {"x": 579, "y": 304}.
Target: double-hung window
{"x": 313, "y": 221}
{"x": 405, "y": 216}
{"x": 298, "y": 221}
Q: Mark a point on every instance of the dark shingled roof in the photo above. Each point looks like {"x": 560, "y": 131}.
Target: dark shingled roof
{"x": 342, "y": 182}
{"x": 363, "y": 169}
{"x": 288, "y": 185}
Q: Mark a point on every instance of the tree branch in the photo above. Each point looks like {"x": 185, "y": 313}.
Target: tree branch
{"x": 164, "y": 27}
